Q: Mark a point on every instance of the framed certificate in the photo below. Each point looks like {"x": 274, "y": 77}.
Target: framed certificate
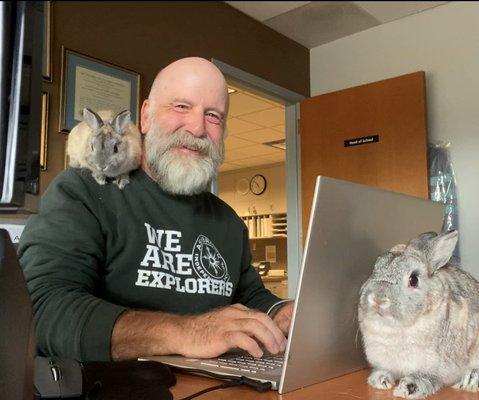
{"x": 92, "y": 83}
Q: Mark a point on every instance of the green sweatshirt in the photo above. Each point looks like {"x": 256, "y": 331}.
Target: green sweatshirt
{"x": 94, "y": 251}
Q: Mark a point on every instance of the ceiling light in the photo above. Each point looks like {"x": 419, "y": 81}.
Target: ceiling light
{"x": 231, "y": 90}
{"x": 278, "y": 144}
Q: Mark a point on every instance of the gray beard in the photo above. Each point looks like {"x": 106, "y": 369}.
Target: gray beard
{"x": 179, "y": 173}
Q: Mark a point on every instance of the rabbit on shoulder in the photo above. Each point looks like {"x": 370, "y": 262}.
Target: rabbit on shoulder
{"x": 108, "y": 145}
{"x": 419, "y": 318}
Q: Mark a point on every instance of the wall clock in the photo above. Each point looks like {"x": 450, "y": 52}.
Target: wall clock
{"x": 242, "y": 186}
{"x": 257, "y": 184}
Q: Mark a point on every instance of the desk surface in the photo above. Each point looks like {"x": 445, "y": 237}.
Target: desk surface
{"x": 352, "y": 386}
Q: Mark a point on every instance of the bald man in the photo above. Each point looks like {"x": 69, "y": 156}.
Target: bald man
{"x": 162, "y": 266}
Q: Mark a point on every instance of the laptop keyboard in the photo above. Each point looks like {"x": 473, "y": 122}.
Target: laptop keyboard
{"x": 247, "y": 363}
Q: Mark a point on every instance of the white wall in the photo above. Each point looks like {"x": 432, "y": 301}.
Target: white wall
{"x": 443, "y": 42}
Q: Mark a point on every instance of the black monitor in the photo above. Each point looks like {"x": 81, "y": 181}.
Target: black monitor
{"x": 17, "y": 350}
{"x": 21, "y": 41}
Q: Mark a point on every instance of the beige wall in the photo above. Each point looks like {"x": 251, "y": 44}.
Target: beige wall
{"x": 444, "y": 42}
{"x": 146, "y": 36}
{"x": 273, "y": 200}
{"x": 258, "y": 251}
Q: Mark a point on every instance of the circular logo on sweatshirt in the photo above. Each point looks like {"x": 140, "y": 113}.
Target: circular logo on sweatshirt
{"x": 207, "y": 260}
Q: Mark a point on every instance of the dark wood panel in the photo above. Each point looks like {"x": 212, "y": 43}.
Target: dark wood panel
{"x": 146, "y": 36}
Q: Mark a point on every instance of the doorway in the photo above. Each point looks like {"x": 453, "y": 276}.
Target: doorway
{"x": 252, "y": 180}
{"x": 260, "y": 176}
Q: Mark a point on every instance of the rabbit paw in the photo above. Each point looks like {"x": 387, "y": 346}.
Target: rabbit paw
{"x": 380, "y": 379}
{"x": 416, "y": 387}
{"x": 100, "y": 178}
{"x": 122, "y": 181}
{"x": 469, "y": 382}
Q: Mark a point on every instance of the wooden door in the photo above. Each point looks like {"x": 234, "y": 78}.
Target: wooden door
{"x": 374, "y": 134}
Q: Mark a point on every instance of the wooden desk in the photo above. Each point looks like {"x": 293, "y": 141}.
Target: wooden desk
{"x": 352, "y": 386}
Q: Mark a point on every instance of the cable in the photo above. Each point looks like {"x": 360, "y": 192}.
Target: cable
{"x": 210, "y": 389}
{"x": 94, "y": 391}
{"x": 232, "y": 381}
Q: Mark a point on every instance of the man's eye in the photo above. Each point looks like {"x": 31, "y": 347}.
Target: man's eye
{"x": 213, "y": 118}
{"x": 181, "y": 106}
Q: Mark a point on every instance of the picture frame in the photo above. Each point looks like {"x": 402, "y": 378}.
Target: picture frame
{"x": 66, "y": 159}
{"x": 96, "y": 84}
{"x": 44, "y": 130}
{"x": 47, "y": 41}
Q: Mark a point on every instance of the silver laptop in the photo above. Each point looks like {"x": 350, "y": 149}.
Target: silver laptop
{"x": 349, "y": 227}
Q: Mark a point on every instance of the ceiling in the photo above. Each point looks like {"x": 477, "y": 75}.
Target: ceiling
{"x": 313, "y": 23}
{"x": 254, "y": 120}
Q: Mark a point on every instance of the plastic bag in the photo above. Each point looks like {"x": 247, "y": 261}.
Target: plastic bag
{"x": 442, "y": 187}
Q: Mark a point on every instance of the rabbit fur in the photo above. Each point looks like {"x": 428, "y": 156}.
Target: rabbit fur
{"x": 419, "y": 318}
{"x": 108, "y": 145}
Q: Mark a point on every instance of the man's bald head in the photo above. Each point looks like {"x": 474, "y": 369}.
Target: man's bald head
{"x": 189, "y": 71}
{"x": 184, "y": 122}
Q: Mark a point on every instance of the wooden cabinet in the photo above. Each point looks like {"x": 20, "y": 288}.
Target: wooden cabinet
{"x": 387, "y": 122}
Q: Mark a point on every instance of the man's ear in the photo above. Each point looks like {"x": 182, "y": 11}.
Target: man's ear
{"x": 145, "y": 116}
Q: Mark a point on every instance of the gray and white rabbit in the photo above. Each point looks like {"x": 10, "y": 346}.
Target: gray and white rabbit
{"x": 108, "y": 145}
{"x": 419, "y": 318}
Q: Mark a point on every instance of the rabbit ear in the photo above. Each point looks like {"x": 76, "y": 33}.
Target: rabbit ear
{"x": 399, "y": 248}
{"x": 121, "y": 121}
{"x": 422, "y": 242}
{"x": 441, "y": 249}
{"x": 92, "y": 119}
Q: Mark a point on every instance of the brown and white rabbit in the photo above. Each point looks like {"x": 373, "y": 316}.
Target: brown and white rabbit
{"x": 419, "y": 318}
{"x": 108, "y": 145}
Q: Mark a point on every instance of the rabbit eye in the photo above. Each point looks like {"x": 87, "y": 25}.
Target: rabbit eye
{"x": 91, "y": 147}
{"x": 413, "y": 280}
{"x": 115, "y": 149}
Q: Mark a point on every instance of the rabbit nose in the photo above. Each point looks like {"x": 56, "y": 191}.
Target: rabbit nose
{"x": 382, "y": 303}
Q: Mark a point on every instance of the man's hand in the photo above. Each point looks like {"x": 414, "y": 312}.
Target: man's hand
{"x": 214, "y": 333}
{"x": 282, "y": 318}
{"x": 145, "y": 333}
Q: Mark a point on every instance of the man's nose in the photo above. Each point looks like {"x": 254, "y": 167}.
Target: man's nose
{"x": 196, "y": 124}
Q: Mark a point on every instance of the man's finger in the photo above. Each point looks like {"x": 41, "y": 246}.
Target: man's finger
{"x": 242, "y": 312}
{"x": 271, "y": 325}
{"x": 283, "y": 317}
{"x": 284, "y": 324}
{"x": 259, "y": 331}
{"x": 240, "y": 307}
{"x": 244, "y": 342}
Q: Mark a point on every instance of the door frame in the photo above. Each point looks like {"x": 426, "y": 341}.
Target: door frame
{"x": 293, "y": 162}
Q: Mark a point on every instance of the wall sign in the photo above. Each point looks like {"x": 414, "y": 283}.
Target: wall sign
{"x": 361, "y": 140}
